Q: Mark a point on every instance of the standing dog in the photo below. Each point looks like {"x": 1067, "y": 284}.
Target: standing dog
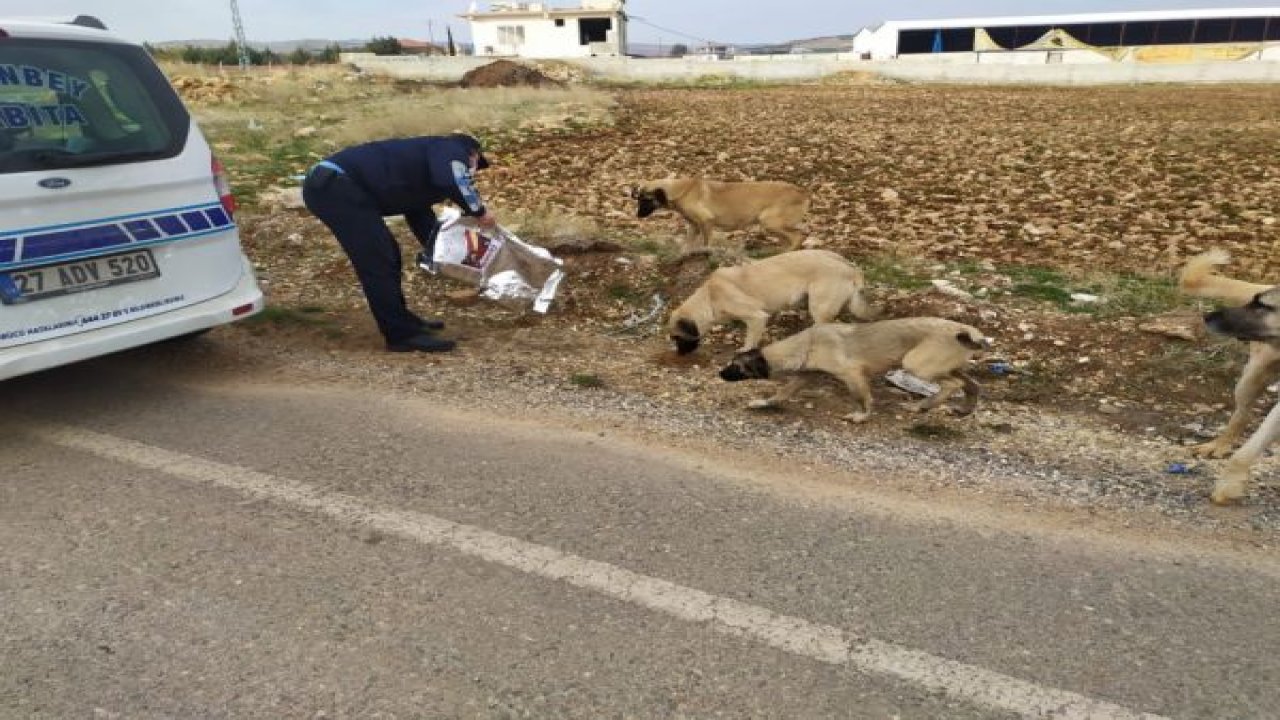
{"x": 754, "y": 291}
{"x": 708, "y": 205}
{"x": 930, "y": 348}
{"x": 1254, "y": 320}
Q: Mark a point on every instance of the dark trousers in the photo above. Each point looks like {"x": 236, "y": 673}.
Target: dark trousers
{"x": 348, "y": 211}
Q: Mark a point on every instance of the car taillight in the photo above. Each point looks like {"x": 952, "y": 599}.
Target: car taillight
{"x": 223, "y": 186}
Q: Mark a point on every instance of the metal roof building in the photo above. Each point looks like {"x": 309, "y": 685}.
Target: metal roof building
{"x": 1236, "y": 33}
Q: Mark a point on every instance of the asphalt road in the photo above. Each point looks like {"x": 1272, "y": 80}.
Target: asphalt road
{"x": 193, "y": 547}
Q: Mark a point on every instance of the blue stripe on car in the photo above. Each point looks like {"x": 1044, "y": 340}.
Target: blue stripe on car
{"x": 67, "y": 241}
{"x": 196, "y": 220}
{"x": 172, "y": 225}
{"x": 142, "y": 230}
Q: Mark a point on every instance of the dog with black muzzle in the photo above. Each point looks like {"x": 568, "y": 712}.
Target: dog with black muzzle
{"x": 710, "y": 205}
{"x": 932, "y": 349}
{"x": 1255, "y": 320}
{"x": 754, "y": 291}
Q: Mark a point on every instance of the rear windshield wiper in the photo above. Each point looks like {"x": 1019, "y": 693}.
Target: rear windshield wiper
{"x": 64, "y": 159}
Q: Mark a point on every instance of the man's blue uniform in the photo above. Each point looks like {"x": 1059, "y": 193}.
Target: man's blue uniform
{"x": 354, "y": 189}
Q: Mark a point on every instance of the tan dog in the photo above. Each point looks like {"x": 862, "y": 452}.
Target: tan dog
{"x": 754, "y": 291}
{"x": 1256, "y": 320}
{"x": 930, "y": 348}
{"x": 709, "y": 205}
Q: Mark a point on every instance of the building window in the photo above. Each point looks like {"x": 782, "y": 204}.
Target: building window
{"x": 510, "y": 34}
{"x": 559, "y": 22}
{"x": 594, "y": 30}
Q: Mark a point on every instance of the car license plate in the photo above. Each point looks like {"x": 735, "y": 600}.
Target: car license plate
{"x": 64, "y": 278}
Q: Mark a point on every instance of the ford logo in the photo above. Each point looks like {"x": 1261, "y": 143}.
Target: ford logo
{"x": 54, "y": 183}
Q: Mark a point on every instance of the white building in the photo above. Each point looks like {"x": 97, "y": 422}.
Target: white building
{"x": 1156, "y": 35}
{"x": 536, "y": 30}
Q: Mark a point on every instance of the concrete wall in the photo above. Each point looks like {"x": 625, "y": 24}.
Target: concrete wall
{"x": 963, "y": 68}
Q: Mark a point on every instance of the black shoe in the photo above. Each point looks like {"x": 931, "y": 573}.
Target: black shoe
{"x": 429, "y": 324}
{"x": 422, "y": 343}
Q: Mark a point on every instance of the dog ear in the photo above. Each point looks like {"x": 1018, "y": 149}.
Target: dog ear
{"x": 661, "y": 196}
{"x": 969, "y": 341}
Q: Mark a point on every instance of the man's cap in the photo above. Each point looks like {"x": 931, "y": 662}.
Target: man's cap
{"x": 472, "y": 145}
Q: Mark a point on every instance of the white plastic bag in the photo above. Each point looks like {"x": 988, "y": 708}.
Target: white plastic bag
{"x": 501, "y": 265}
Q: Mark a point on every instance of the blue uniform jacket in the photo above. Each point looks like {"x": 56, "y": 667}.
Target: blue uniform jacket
{"x": 407, "y": 176}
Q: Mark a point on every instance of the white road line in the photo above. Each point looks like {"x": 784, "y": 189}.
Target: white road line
{"x": 794, "y": 635}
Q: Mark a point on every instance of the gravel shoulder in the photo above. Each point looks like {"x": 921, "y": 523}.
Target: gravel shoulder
{"x": 1010, "y": 464}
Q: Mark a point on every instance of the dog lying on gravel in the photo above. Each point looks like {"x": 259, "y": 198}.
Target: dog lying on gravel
{"x": 754, "y": 291}
{"x": 1256, "y": 320}
{"x": 930, "y": 348}
{"x": 710, "y": 205}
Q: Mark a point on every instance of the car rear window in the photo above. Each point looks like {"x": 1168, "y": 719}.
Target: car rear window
{"x": 75, "y": 104}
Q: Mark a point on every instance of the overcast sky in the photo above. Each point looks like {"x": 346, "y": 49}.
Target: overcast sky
{"x": 729, "y": 21}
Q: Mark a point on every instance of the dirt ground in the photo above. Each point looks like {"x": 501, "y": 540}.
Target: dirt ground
{"x": 980, "y": 187}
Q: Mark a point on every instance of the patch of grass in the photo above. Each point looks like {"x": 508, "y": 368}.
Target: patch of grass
{"x": 280, "y": 316}
{"x": 623, "y": 291}
{"x": 1034, "y": 384}
{"x": 934, "y": 431}
{"x": 547, "y": 225}
{"x": 648, "y": 246}
{"x": 587, "y": 381}
{"x": 1119, "y": 294}
{"x": 1043, "y": 291}
{"x": 255, "y": 129}
{"x": 890, "y": 271}
{"x": 1136, "y": 295}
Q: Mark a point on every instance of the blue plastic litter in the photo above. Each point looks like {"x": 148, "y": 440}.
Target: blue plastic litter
{"x": 1179, "y": 469}
{"x": 1000, "y": 368}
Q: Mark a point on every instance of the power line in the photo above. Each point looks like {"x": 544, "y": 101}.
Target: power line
{"x": 642, "y": 21}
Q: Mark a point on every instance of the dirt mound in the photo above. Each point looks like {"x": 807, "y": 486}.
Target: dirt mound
{"x": 504, "y": 73}
{"x": 205, "y": 89}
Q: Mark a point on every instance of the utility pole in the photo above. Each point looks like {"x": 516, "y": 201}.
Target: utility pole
{"x": 242, "y": 47}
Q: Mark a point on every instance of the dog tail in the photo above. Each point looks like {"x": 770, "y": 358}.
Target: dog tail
{"x": 1199, "y": 278}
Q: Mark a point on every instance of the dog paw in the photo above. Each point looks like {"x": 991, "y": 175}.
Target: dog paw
{"x": 1215, "y": 448}
{"x": 856, "y": 417}
{"x": 1231, "y": 486}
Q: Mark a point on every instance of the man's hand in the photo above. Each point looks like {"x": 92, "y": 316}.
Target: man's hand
{"x": 487, "y": 220}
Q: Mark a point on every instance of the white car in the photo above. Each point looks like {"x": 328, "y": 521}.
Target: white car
{"x": 117, "y": 224}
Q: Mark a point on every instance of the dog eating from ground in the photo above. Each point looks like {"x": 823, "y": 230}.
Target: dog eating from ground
{"x": 933, "y": 349}
{"x": 1255, "y": 319}
{"x": 755, "y": 291}
{"x": 710, "y": 205}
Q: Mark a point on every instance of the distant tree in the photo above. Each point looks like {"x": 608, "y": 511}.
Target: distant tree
{"x": 193, "y": 54}
{"x": 453, "y": 50}
{"x": 384, "y": 46}
{"x": 679, "y": 50}
{"x": 227, "y": 54}
{"x": 300, "y": 56}
{"x": 329, "y": 54}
